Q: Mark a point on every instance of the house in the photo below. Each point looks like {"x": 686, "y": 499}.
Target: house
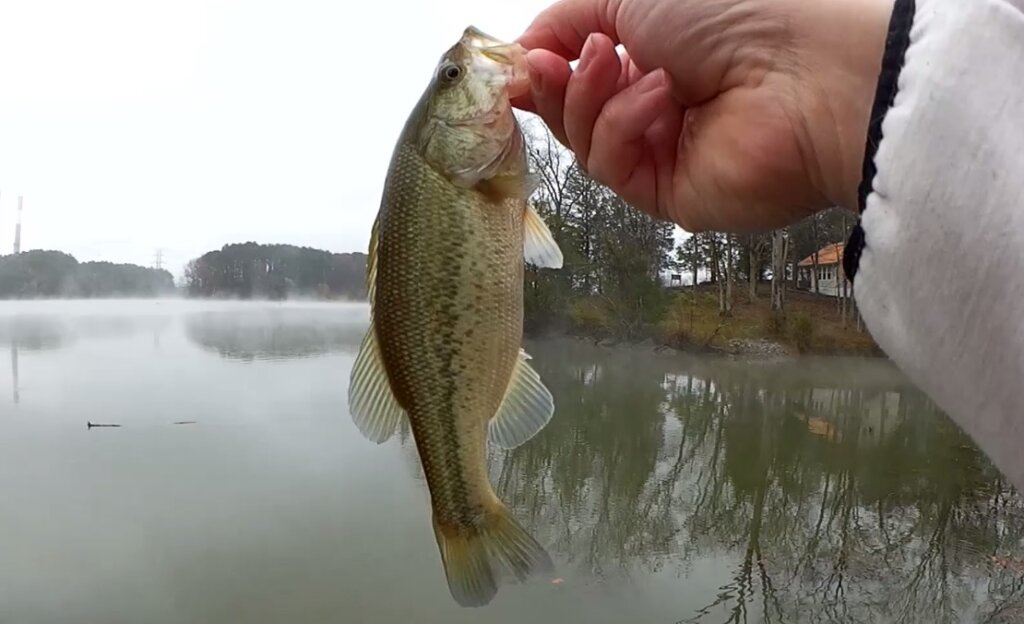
{"x": 829, "y": 277}
{"x": 671, "y": 279}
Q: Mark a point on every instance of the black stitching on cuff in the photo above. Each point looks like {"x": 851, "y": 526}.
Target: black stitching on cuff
{"x": 897, "y": 41}
{"x": 852, "y": 251}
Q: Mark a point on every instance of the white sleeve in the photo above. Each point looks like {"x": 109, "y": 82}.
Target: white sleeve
{"x": 938, "y": 258}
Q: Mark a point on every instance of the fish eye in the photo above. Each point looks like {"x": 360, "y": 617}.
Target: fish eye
{"x": 452, "y": 72}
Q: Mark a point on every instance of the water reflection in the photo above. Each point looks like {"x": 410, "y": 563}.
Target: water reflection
{"x": 14, "y": 373}
{"x": 45, "y": 332}
{"x": 275, "y": 334}
{"x": 30, "y": 333}
{"x": 667, "y": 488}
{"x": 34, "y": 333}
{"x": 831, "y": 498}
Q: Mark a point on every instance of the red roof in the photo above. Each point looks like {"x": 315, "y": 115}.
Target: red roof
{"x": 830, "y": 254}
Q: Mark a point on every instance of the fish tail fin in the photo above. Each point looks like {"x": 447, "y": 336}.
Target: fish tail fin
{"x": 476, "y": 558}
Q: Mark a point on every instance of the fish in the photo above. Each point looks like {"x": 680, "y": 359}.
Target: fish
{"x": 443, "y": 354}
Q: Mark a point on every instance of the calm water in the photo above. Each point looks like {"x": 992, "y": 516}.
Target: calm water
{"x": 667, "y": 488}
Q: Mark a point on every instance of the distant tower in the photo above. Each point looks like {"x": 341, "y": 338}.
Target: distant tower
{"x": 17, "y": 230}
{"x": 158, "y": 260}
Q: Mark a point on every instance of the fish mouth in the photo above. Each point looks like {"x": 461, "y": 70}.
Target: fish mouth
{"x": 506, "y": 54}
{"x": 473, "y": 37}
{"x": 510, "y": 58}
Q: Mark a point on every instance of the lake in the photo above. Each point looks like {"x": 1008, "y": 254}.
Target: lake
{"x": 668, "y": 487}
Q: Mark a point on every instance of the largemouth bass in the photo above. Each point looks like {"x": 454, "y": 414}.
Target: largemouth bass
{"x": 445, "y": 280}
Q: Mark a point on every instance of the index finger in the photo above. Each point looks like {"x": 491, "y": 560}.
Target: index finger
{"x": 563, "y": 27}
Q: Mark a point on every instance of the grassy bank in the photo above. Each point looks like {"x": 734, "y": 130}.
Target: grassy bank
{"x": 813, "y": 324}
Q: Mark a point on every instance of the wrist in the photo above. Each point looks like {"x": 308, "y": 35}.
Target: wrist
{"x": 849, "y": 46}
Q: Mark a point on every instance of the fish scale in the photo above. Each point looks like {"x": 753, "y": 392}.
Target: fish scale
{"x": 447, "y": 284}
{"x": 445, "y": 280}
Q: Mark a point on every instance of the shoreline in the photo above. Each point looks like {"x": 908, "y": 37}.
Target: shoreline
{"x": 748, "y": 348}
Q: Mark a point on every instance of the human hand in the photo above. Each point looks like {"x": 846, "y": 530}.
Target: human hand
{"x": 728, "y": 115}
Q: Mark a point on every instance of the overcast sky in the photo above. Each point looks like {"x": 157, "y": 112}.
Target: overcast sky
{"x": 133, "y": 125}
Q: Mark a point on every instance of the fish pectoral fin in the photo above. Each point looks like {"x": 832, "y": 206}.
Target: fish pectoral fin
{"x": 531, "y": 183}
{"x": 477, "y": 558}
{"x": 374, "y": 408}
{"x": 502, "y": 187}
{"x": 539, "y": 247}
{"x": 526, "y": 409}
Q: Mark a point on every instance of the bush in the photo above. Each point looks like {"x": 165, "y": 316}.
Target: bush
{"x": 774, "y": 323}
{"x": 673, "y": 328}
{"x": 802, "y": 331}
{"x": 591, "y": 316}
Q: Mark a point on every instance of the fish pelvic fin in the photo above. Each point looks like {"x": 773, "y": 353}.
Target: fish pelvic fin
{"x": 526, "y": 408}
{"x": 476, "y": 559}
{"x": 374, "y": 408}
{"x": 539, "y": 246}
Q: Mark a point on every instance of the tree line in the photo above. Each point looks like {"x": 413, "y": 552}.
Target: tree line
{"x": 616, "y": 260}
{"x": 739, "y": 263}
{"x": 55, "y": 274}
{"x": 254, "y": 271}
{"x": 613, "y": 254}
{"x": 616, "y": 257}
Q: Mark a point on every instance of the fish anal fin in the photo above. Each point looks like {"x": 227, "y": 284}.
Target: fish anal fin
{"x": 374, "y": 408}
{"x": 539, "y": 247}
{"x": 526, "y": 408}
{"x": 476, "y": 559}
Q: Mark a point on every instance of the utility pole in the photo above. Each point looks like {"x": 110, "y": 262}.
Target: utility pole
{"x": 158, "y": 260}
{"x": 17, "y": 230}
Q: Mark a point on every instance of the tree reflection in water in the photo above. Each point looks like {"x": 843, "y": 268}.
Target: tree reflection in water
{"x": 836, "y": 491}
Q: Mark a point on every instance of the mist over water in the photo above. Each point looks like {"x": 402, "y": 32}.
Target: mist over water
{"x": 668, "y": 488}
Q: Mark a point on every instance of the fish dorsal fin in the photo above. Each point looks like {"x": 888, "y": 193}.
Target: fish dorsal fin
{"x": 539, "y": 247}
{"x": 374, "y": 408}
{"x": 371, "y": 263}
{"x": 526, "y": 408}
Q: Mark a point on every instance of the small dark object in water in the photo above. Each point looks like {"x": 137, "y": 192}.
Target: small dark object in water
{"x": 90, "y": 425}
{"x": 185, "y": 422}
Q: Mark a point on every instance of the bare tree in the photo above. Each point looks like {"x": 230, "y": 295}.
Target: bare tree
{"x": 730, "y": 272}
{"x": 552, "y": 165}
{"x": 780, "y": 251}
{"x": 814, "y": 256}
{"x": 758, "y": 245}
